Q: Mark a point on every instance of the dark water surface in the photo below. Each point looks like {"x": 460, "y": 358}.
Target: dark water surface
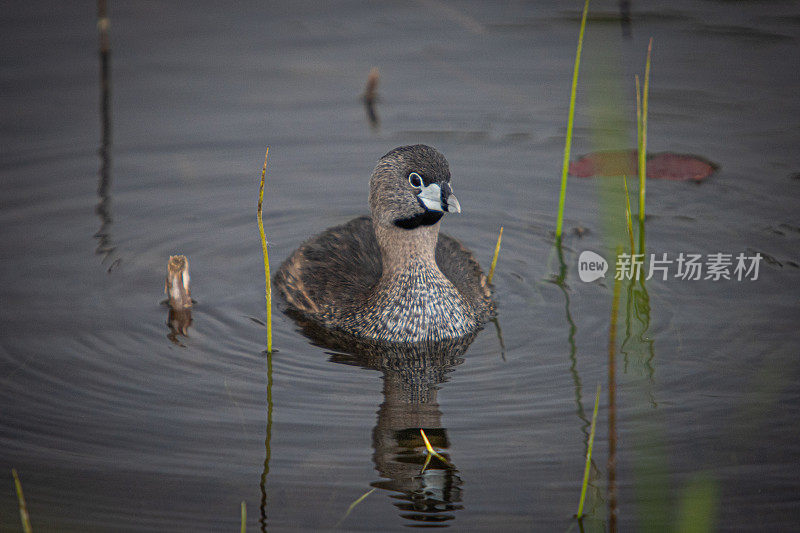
{"x": 115, "y": 427}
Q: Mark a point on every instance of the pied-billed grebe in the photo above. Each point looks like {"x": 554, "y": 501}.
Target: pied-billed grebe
{"x": 391, "y": 277}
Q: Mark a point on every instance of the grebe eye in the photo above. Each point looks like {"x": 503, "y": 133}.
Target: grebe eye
{"x": 415, "y": 180}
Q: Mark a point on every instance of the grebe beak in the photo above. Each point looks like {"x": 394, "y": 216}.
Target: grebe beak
{"x": 437, "y": 197}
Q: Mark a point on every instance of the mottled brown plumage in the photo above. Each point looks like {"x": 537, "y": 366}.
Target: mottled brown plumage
{"x": 391, "y": 277}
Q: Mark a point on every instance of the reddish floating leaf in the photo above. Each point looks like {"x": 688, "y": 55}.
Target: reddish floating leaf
{"x": 612, "y": 163}
{"x": 669, "y": 166}
{"x": 663, "y": 165}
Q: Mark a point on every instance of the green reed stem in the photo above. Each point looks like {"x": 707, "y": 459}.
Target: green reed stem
{"x": 698, "y": 507}
{"x": 243, "y": 529}
{"x": 570, "y": 121}
{"x": 612, "y": 402}
{"x": 642, "y": 122}
{"x": 628, "y": 215}
{"x": 589, "y": 453}
{"x": 496, "y": 253}
{"x": 268, "y": 290}
{"x": 23, "y": 509}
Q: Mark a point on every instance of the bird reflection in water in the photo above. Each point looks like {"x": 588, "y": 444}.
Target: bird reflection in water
{"x": 370, "y": 98}
{"x": 105, "y": 244}
{"x": 176, "y": 286}
{"x": 412, "y": 376}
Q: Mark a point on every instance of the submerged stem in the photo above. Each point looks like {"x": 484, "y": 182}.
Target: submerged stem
{"x": 643, "y": 134}
{"x": 23, "y": 508}
{"x": 628, "y": 215}
{"x": 589, "y": 453}
{"x": 496, "y": 253}
{"x": 570, "y": 121}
